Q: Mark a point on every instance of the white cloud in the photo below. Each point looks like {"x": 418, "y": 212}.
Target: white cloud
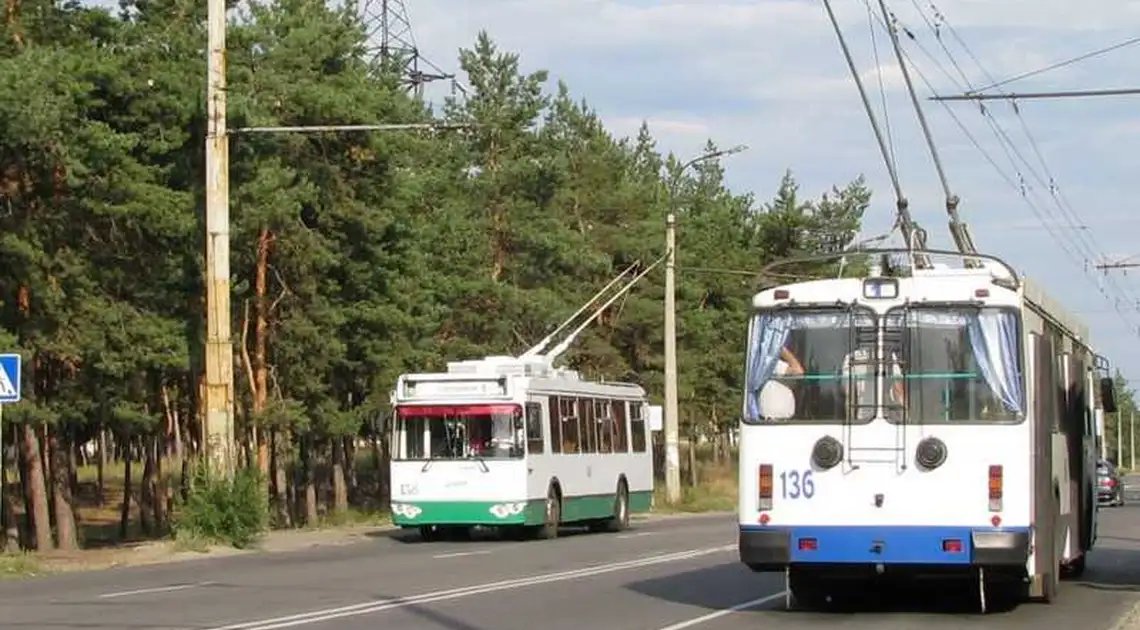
{"x": 771, "y": 75}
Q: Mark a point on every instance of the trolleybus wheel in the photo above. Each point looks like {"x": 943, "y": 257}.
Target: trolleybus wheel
{"x": 1075, "y": 569}
{"x": 620, "y": 519}
{"x": 549, "y": 528}
{"x": 428, "y": 533}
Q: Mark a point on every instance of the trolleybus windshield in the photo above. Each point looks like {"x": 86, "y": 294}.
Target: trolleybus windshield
{"x": 811, "y": 365}
{"x": 963, "y": 365}
{"x": 441, "y": 432}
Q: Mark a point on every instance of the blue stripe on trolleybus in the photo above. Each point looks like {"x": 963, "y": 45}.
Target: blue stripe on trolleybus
{"x": 871, "y": 544}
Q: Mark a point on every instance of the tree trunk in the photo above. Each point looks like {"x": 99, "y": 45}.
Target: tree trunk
{"x": 8, "y": 520}
{"x": 125, "y": 511}
{"x": 161, "y": 490}
{"x": 61, "y": 493}
{"x": 37, "y": 490}
{"x": 147, "y": 496}
{"x": 280, "y": 492}
{"x": 350, "y": 467}
{"x": 260, "y": 360}
{"x": 309, "y": 484}
{"x": 692, "y": 458}
{"x": 101, "y": 466}
{"x": 340, "y": 489}
{"x": 383, "y": 477}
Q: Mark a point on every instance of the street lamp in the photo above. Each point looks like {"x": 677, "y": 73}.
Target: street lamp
{"x": 672, "y": 429}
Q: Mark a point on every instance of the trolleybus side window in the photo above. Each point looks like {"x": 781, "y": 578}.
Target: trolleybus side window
{"x": 555, "y": 407}
{"x": 534, "y": 422}
{"x": 962, "y": 364}
{"x": 587, "y": 426}
{"x": 637, "y": 427}
{"x": 570, "y": 435}
{"x": 835, "y": 379}
{"x": 605, "y": 421}
{"x": 621, "y": 429}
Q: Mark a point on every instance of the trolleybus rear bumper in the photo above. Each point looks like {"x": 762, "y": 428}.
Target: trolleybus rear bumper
{"x": 774, "y": 548}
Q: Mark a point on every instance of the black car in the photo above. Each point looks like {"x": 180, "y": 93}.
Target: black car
{"x": 1109, "y": 484}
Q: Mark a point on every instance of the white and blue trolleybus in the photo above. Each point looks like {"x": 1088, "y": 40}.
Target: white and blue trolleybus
{"x": 928, "y": 422}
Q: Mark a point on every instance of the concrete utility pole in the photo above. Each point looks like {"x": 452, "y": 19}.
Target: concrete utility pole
{"x": 1132, "y": 440}
{"x": 219, "y": 394}
{"x": 670, "y": 420}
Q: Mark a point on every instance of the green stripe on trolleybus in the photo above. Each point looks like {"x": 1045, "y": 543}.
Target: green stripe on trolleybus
{"x": 530, "y": 512}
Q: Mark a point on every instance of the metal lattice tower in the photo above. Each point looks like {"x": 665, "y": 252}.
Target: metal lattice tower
{"x": 393, "y": 44}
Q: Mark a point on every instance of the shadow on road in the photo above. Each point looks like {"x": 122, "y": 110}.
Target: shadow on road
{"x": 707, "y": 588}
{"x": 475, "y": 534}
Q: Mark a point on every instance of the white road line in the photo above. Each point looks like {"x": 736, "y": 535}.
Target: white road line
{"x": 637, "y": 535}
{"x": 156, "y": 589}
{"x": 681, "y": 625}
{"x": 316, "y": 616}
{"x": 460, "y": 554}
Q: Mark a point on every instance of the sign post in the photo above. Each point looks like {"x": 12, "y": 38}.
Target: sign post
{"x": 10, "y": 365}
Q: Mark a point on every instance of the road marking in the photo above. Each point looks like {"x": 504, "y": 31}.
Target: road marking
{"x": 637, "y": 535}
{"x": 725, "y": 612}
{"x": 156, "y": 589}
{"x": 460, "y": 554}
{"x": 327, "y": 614}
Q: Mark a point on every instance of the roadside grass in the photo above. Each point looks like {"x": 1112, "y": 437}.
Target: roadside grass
{"x": 715, "y": 490}
{"x": 19, "y": 565}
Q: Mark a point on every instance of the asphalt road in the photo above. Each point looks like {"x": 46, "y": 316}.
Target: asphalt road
{"x": 667, "y": 574}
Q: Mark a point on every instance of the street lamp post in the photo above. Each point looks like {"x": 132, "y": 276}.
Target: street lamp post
{"x": 672, "y": 427}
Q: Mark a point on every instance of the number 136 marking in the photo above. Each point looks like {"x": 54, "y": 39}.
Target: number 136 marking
{"x": 795, "y": 484}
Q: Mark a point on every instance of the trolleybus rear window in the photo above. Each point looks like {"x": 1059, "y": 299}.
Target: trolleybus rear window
{"x": 812, "y": 365}
{"x": 458, "y": 432}
{"x": 961, "y": 364}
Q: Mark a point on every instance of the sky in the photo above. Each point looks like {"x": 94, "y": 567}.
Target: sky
{"x": 770, "y": 74}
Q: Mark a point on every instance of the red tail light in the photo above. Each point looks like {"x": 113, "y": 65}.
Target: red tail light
{"x": 808, "y": 544}
{"x": 995, "y": 487}
{"x": 765, "y": 486}
{"x": 952, "y": 546}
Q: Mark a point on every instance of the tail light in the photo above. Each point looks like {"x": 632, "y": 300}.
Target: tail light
{"x": 995, "y": 485}
{"x": 952, "y": 545}
{"x": 765, "y": 486}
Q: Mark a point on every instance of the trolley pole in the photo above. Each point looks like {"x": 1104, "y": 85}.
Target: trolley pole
{"x": 672, "y": 428}
{"x": 219, "y": 395}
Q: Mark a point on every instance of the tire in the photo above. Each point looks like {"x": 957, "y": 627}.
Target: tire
{"x": 620, "y": 520}
{"x": 549, "y": 528}
{"x": 1075, "y": 569}
{"x": 428, "y": 533}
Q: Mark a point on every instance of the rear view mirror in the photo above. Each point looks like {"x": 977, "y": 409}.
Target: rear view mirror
{"x": 1107, "y": 395}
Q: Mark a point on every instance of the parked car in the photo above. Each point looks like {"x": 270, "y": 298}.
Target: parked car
{"x": 1109, "y": 484}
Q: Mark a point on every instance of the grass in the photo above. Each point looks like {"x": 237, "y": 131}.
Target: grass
{"x": 19, "y": 565}
{"x": 716, "y": 491}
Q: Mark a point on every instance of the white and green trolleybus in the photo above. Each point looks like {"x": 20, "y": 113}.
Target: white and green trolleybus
{"x": 517, "y": 443}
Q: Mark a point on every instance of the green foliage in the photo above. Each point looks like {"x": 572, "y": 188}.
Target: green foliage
{"x": 354, "y": 256}
{"x": 230, "y": 512}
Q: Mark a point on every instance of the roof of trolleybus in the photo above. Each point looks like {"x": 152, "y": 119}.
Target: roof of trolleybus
{"x": 949, "y": 287}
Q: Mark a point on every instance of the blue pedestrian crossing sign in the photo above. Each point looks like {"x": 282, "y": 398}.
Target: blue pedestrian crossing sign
{"x": 9, "y": 378}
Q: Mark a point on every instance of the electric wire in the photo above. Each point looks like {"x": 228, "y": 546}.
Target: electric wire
{"x": 1081, "y": 258}
{"x": 1085, "y": 238}
{"x": 1055, "y": 66}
